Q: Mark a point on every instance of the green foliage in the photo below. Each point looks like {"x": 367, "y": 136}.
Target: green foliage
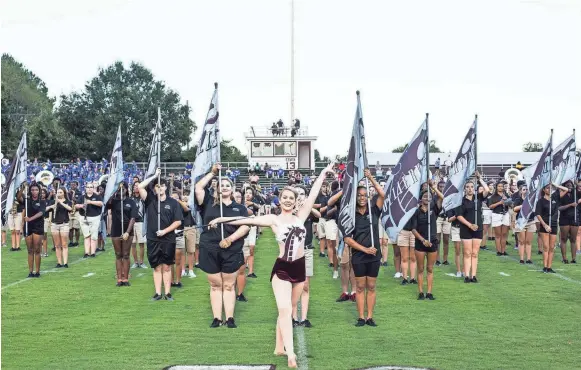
{"x": 532, "y": 147}
{"x": 433, "y": 148}
{"x": 228, "y": 152}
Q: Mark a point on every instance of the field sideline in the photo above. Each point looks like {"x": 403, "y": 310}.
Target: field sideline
{"x": 77, "y": 319}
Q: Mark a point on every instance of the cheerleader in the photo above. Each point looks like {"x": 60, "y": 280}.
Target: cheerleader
{"x": 547, "y": 213}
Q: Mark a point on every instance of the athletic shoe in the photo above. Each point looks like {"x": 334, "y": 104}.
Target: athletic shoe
{"x": 529, "y": 262}
{"x": 322, "y": 255}
{"x": 516, "y": 248}
{"x": 446, "y": 263}
{"x": 421, "y": 297}
{"x": 498, "y": 254}
{"x": 216, "y": 323}
{"x": 360, "y": 322}
{"x": 353, "y": 297}
{"x": 85, "y": 255}
{"x": 168, "y": 297}
{"x": 143, "y": 266}
{"x": 404, "y": 282}
{"x": 184, "y": 273}
{"x": 522, "y": 262}
{"x": 191, "y": 274}
{"x": 296, "y": 323}
{"x": 93, "y": 255}
{"x": 241, "y": 298}
{"x": 483, "y": 248}
{"x": 438, "y": 263}
{"x": 566, "y": 262}
{"x": 458, "y": 274}
{"x": 230, "y": 323}
{"x": 330, "y": 265}
{"x": 508, "y": 243}
{"x": 545, "y": 270}
{"x": 156, "y": 297}
{"x": 71, "y": 244}
{"x": 53, "y": 249}
{"x": 473, "y": 280}
{"x": 30, "y": 274}
{"x": 430, "y": 296}
{"x": 37, "y": 275}
{"x": 179, "y": 285}
{"x": 126, "y": 283}
{"x": 467, "y": 279}
{"x": 344, "y": 297}
{"x": 384, "y": 264}
{"x": 134, "y": 266}
{"x": 397, "y": 275}
{"x": 550, "y": 270}
{"x": 306, "y": 323}
{"x": 253, "y": 275}
{"x": 370, "y": 322}
{"x": 119, "y": 283}
{"x": 335, "y": 274}
{"x": 504, "y": 253}
{"x": 66, "y": 265}
{"x": 58, "y": 266}
{"x": 413, "y": 281}
{"x": 573, "y": 261}
{"x": 3, "y": 245}
{"x": 540, "y": 252}
{"x": 197, "y": 265}
{"x": 75, "y": 244}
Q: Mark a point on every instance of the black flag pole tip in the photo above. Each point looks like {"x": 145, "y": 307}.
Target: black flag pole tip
{"x": 427, "y": 114}
{"x": 476, "y": 116}
{"x": 357, "y": 92}
{"x": 215, "y": 85}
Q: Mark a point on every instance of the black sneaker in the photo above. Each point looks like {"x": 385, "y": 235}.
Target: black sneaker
{"x": 473, "y": 280}
{"x": 498, "y": 253}
{"x": 66, "y": 265}
{"x": 330, "y": 265}
{"x": 168, "y": 297}
{"x": 384, "y": 264}
{"x": 85, "y": 255}
{"x": 540, "y": 252}
{"x": 37, "y": 275}
{"x": 404, "y": 282}
{"x": 230, "y": 323}
{"x": 529, "y": 262}
{"x": 483, "y": 248}
{"x": 566, "y": 262}
{"x": 466, "y": 279}
{"x": 438, "y": 263}
{"x": 54, "y": 249}
{"x": 446, "y": 263}
{"x": 296, "y": 323}
{"x": 156, "y": 297}
{"x": 522, "y": 262}
{"x": 71, "y": 244}
{"x": 370, "y": 322}
{"x": 119, "y": 283}
{"x": 253, "y": 275}
{"x": 31, "y": 274}
{"x": 306, "y": 323}
{"x": 216, "y": 323}
{"x": 241, "y": 298}
{"x": 421, "y": 297}
{"x": 126, "y": 283}
{"x": 508, "y": 243}
{"x": 93, "y": 255}
{"x": 430, "y": 296}
{"x": 344, "y": 297}
{"x": 573, "y": 261}
{"x": 75, "y": 244}
{"x": 173, "y": 285}
{"x": 505, "y": 254}
{"x": 197, "y": 265}
{"x": 322, "y": 255}
{"x": 360, "y": 322}
{"x": 550, "y": 270}
{"x": 58, "y": 266}
{"x": 413, "y": 281}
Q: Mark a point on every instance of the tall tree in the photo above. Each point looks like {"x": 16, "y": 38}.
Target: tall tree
{"x": 129, "y": 96}
{"x": 533, "y": 147}
{"x": 433, "y": 148}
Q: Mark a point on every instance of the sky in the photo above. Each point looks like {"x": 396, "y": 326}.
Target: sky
{"x": 517, "y": 64}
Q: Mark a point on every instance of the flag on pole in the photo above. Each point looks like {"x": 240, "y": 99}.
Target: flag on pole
{"x": 537, "y": 177}
{"x": 16, "y": 176}
{"x": 564, "y": 161}
{"x": 208, "y": 150}
{"x": 402, "y": 189}
{"x": 115, "y": 169}
{"x": 462, "y": 168}
{"x": 356, "y": 163}
{"x": 155, "y": 150}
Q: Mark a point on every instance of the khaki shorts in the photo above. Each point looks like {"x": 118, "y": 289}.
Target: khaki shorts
{"x": 530, "y": 227}
{"x": 62, "y": 229}
{"x": 138, "y": 236}
{"x": 251, "y": 238}
{"x": 406, "y": 239}
{"x": 500, "y": 219}
{"x": 442, "y": 226}
{"x": 346, "y": 255}
{"x": 180, "y": 242}
{"x": 246, "y": 251}
{"x": 74, "y": 221}
{"x": 46, "y": 225}
{"x": 15, "y": 221}
{"x": 309, "y": 263}
{"x": 321, "y": 229}
{"x": 455, "y": 232}
{"x": 191, "y": 237}
{"x": 486, "y": 216}
{"x": 329, "y": 229}
{"x": 90, "y": 227}
{"x": 382, "y": 233}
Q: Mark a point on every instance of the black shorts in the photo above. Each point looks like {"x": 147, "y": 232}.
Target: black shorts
{"x": 213, "y": 261}
{"x": 420, "y": 247}
{"x": 161, "y": 253}
{"x": 467, "y": 233}
{"x": 568, "y": 221}
{"x": 554, "y": 229}
{"x": 367, "y": 269}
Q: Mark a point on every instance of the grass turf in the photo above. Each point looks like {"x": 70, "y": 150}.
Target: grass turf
{"x": 66, "y": 321}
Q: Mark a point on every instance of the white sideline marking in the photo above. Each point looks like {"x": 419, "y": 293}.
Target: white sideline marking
{"x": 140, "y": 275}
{"x": 302, "y": 360}
{"x": 503, "y": 274}
{"x": 219, "y": 367}
{"x": 452, "y": 275}
{"x": 89, "y": 274}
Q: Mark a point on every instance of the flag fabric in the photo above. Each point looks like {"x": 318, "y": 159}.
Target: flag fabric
{"x": 460, "y": 170}
{"x": 537, "y": 177}
{"x": 115, "y": 170}
{"x": 155, "y": 150}
{"x": 564, "y": 161}
{"x": 402, "y": 189}
{"x": 16, "y": 176}
{"x": 578, "y": 165}
{"x": 356, "y": 163}
{"x": 208, "y": 150}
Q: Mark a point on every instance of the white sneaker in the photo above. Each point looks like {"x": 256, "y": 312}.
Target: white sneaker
{"x": 191, "y": 274}
{"x": 397, "y": 275}
{"x": 184, "y": 273}
{"x": 143, "y": 266}
{"x": 335, "y": 274}
{"x": 459, "y": 274}
{"x": 134, "y": 266}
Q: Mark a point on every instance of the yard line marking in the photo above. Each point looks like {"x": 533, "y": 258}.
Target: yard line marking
{"x": 89, "y": 274}
{"x": 452, "y": 275}
{"x": 503, "y": 274}
{"x": 302, "y": 360}
{"x": 140, "y": 275}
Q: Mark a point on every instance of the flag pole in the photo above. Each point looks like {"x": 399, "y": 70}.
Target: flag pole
{"x": 575, "y": 180}
{"x": 159, "y": 166}
{"x": 476, "y": 168}
{"x": 364, "y": 152}
{"x": 428, "y": 173}
{"x": 219, "y": 187}
{"x": 551, "y": 179}
{"x": 26, "y": 206}
{"x": 121, "y": 192}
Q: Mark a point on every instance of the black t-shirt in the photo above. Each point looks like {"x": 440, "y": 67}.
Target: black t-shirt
{"x": 77, "y": 199}
{"x": 519, "y": 202}
{"x": 322, "y": 200}
{"x": 452, "y": 213}
{"x": 19, "y": 206}
{"x": 421, "y": 221}
{"x": 140, "y": 208}
{"x": 569, "y": 213}
{"x": 129, "y": 212}
{"x": 362, "y": 235}
{"x": 92, "y": 210}
{"x": 495, "y": 198}
{"x": 62, "y": 214}
{"x": 253, "y": 208}
{"x": 189, "y": 219}
{"x": 334, "y": 211}
{"x": 543, "y": 207}
{"x": 170, "y": 211}
{"x": 467, "y": 210}
{"x": 210, "y": 239}
{"x": 34, "y": 207}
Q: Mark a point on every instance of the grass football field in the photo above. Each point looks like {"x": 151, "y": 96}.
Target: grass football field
{"x": 514, "y": 318}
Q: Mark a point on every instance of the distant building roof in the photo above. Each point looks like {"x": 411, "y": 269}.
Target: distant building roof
{"x": 497, "y": 159}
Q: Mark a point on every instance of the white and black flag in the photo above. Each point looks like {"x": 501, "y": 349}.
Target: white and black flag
{"x": 356, "y": 163}
{"x": 155, "y": 150}
{"x": 16, "y": 176}
{"x": 402, "y": 189}
{"x": 460, "y": 170}
{"x": 564, "y": 161}
{"x": 115, "y": 169}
